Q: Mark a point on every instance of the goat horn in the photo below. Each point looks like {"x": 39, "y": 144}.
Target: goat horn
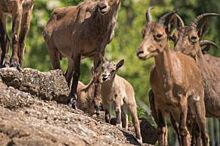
{"x": 180, "y": 20}
{"x": 162, "y": 19}
{"x": 195, "y": 22}
{"x": 148, "y": 14}
{"x": 209, "y": 43}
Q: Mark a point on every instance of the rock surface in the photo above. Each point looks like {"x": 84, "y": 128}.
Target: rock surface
{"x": 26, "y": 119}
{"x": 48, "y": 85}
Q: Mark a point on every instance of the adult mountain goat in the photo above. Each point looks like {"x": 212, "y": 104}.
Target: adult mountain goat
{"x": 177, "y": 92}
{"x": 80, "y": 31}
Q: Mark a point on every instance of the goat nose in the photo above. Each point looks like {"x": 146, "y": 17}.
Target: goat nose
{"x": 102, "y": 5}
{"x": 139, "y": 52}
{"x": 104, "y": 77}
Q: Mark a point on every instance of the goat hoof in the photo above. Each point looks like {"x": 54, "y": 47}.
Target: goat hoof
{"x": 119, "y": 125}
{"x": 72, "y": 103}
{"x": 139, "y": 140}
{"x": 15, "y": 64}
{"x": 6, "y": 64}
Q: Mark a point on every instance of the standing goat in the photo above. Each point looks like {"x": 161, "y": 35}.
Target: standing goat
{"x": 176, "y": 81}
{"x": 189, "y": 44}
{"x": 21, "y": 11}
{"x": 118, "y": 92}
{"x": 80, "y": 31}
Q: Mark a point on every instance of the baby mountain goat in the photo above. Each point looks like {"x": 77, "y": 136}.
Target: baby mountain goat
{"x": 118, "y": 92}
{"x": 176, "y": 82}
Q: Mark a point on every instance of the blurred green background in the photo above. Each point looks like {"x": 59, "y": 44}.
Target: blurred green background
{"x": 131, "y": 21}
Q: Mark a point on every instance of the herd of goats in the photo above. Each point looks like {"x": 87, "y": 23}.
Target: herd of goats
{"x": 185, "y": 80}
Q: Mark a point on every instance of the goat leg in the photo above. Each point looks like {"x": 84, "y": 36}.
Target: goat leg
{"x": 16, "y": 17}
{"x": 4, "y": 40}
{"x": 76, "y": 74}
{"x": 184, "y": 133}
{"x": 124, "y": 117}
{"x": 107, "y": 113}
{"x": 118, "y": 116}
{"x": 25, "y": 24}
{"x": 133, "y": 110}
{"x": 175, "y": 126}
{"x": 162, "y": 130}
{"x": 201, "y": 120}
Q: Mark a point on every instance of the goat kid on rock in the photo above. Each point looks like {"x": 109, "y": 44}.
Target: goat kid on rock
{"x": 176, "y": 81}
{"x": 21, "y": 11}
{"x": 119, "y": 93}
{"x": 80, "y": 31}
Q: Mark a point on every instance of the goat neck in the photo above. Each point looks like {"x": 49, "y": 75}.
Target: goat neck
{"x": 164, "y": 66}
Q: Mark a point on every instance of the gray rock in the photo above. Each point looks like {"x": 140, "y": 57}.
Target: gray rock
{"x": 45, "y": 85}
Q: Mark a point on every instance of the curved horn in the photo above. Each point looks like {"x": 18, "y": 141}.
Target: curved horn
{"x": 180, "y": 20}
{"x": 195, "y": 22}
{"x": 205, "y": 45}
{"x": 148, "y": 14}
{"x": 162, "y": 19}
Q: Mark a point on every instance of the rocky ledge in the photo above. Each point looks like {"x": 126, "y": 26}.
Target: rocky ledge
{"x": 31, "y": 114}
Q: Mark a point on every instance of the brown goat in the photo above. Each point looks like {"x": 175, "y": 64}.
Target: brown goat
{"x": 119, "y": 93}
{"x": 80, "y": 31}
{"x": 176, "y": 81}
{"x": 188, "y": 43}
{"x": 21, "y": 11}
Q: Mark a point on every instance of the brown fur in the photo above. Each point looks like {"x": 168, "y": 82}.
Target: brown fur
{"x": 21, "y": 11}
{"x": 80, "y": 31}
{"x": 212, "y": 60}
{"x": 210, "y": 70}
{"x": 118, "y": 92}
{"x": 85, "y": 98}
{"x": 176, "y": 83}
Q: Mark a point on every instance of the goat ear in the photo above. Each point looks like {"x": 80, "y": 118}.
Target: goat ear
{"x": 174, "y": 37}
{"x": 173, "y": 22}
{"x": 169, "y": 20}
{"x": 201, "y": 23}
{"x": 120, "y": 64}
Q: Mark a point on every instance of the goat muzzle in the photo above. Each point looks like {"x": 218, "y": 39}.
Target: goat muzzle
{"x": 140, "y": 54}
{"x": 103, "y": 8}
